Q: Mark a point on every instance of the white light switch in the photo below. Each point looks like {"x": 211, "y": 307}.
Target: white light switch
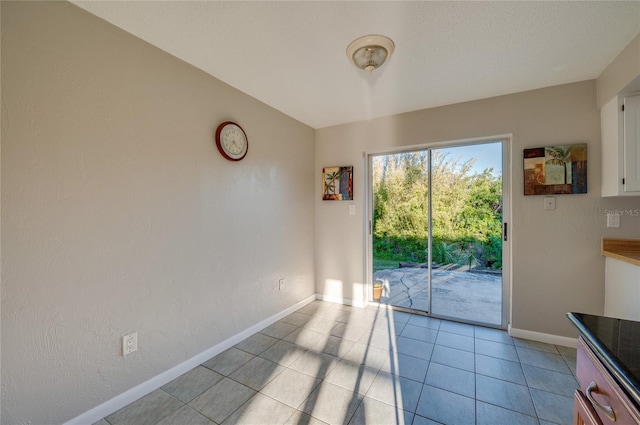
{"x": 549, "y": 203}
{"x": 352, "y": 210}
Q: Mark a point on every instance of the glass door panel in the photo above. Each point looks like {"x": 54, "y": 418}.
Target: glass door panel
{"x": 466, "y": 237}
{"x": 400, "y": 228}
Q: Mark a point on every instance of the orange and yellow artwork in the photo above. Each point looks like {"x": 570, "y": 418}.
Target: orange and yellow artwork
{"x": 337, "y": 183}
{"x": 555, "y": 170}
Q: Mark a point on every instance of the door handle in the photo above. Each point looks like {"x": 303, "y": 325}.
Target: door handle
{"x": 607, "y": 410}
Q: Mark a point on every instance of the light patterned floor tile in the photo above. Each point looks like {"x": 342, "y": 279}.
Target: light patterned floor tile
{"x": 315, "y": 364}
{"x": 351, "y": 376}
{"x": 350, "y": 331}
{"x": 291, "y": 387}
{"x": 146, "y": 411}
{"x": 228, "y": 361}
{"x": 460, "y": 342}
{"x": 496, "y": 349}
{"x": 331, "y": 404}
{"x": 504, "y": 394}
{"x": 192, "y": 384}
{"x": 553, "y": 407}
{"x": 495, "y": 335}
{"x": 424, "y": 321}
{"x": 279, "y": 329}
{"x": 550, "y": 381}
{"x": 420, "y": 333}
{"x": 397, "y": 391}
{"x": 500, "y": 369}
{"x": 257, "y": 373}
{"x": 367, "y": 355}
{"x": 334, "y": 346}
{"x": 535, "y": 345}
{"x": 453, "y": 357}
{"x": 488, "y": 414}
{"x": 301, "y": 418}
{"x": 446, "y": 407}
{"x": 304, "y": 337}
{"x": 542, "y": 359}
{"x": 185, "y": 415}
{"x": 407, "y": 367}
{"x": 256, "y": 343}
{"x": 451, "y": 379}
{"x": 415, "y": 348}
{"x": 283, "y": 353}
{"x": 260, "y": 409}
{"x": 371, "y": 411}
{"x": 321, "y": 325}
{"x": 221, "y": 400}
{"x": 457, "y": 328}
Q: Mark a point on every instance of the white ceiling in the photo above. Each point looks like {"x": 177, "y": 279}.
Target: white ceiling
{"x": 291, "y": 55}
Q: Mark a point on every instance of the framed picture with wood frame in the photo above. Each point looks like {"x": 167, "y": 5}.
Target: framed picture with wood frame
{"x": 555, "y": 170}
{"x": 337, "y": 183}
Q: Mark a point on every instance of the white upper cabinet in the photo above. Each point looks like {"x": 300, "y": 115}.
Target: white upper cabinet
{"x": 620, "y": 124}
{"x": 632, "y": 144}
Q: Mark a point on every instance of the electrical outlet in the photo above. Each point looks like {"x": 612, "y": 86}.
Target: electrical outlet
{"x": 129, "y": 343}
{"x": 281, "y": 285}
{"x": 613, "y": 220}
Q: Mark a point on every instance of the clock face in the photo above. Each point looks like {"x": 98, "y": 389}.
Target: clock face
{"x": 232, "y": 141}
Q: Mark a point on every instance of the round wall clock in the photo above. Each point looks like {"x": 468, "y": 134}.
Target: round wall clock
{"x": 231, "y": 141}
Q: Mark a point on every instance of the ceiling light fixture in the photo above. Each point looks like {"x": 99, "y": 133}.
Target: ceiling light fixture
{"x": 370, "y": 52}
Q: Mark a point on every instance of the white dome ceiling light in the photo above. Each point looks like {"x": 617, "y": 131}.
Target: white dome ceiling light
{"x": 370, "y": 52}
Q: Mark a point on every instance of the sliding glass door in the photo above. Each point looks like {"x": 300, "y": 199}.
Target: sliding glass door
{"x": 437, "y": 231}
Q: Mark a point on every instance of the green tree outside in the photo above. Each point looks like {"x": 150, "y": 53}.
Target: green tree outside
{"x": 466, "y": 213}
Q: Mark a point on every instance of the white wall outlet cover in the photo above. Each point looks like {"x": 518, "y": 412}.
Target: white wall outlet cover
{"x": 129, "y": 343}
{"x": 613, "y": 220}
{"x": 352, "y": 210}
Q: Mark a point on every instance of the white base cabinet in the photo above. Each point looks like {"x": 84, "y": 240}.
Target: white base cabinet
{"x": 622, "y": 290}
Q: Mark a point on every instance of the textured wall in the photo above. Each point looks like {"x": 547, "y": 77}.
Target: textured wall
{"x": 120, "y": 215}
{"x": 557, "y": 265}
{"x": 624, "y": 69}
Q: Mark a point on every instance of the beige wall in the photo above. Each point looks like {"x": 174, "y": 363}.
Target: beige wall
{"x": 120, "y": 215}
{"x": 557, "y": 266}
{"x": 622, "y": 71}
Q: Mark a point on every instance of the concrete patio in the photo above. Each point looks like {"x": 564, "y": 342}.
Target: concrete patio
{"x": 475, "y": 297}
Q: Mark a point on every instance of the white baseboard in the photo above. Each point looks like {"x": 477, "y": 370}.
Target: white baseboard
{"x": 341, "y": 300}
{"x": 542, "y": 337}
{"x": 129, "y": 396}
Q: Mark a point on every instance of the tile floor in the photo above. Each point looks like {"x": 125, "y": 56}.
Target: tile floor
{"x": 333, "y": 364}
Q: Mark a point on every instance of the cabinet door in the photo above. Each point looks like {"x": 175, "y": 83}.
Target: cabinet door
{"x": 583, "y": 413}
{"x": 632, "y": 144}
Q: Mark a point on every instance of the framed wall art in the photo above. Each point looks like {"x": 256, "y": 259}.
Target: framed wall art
{"x": 555, "y": 170}
{"x": 337, "y": 183}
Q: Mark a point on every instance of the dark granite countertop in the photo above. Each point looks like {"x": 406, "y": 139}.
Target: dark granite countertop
{"x": 616, "y": 342}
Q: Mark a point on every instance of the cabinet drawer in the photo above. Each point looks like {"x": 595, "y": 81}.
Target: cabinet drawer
{"x": 583, "y": 411}
{"x": 607, "y": 393}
